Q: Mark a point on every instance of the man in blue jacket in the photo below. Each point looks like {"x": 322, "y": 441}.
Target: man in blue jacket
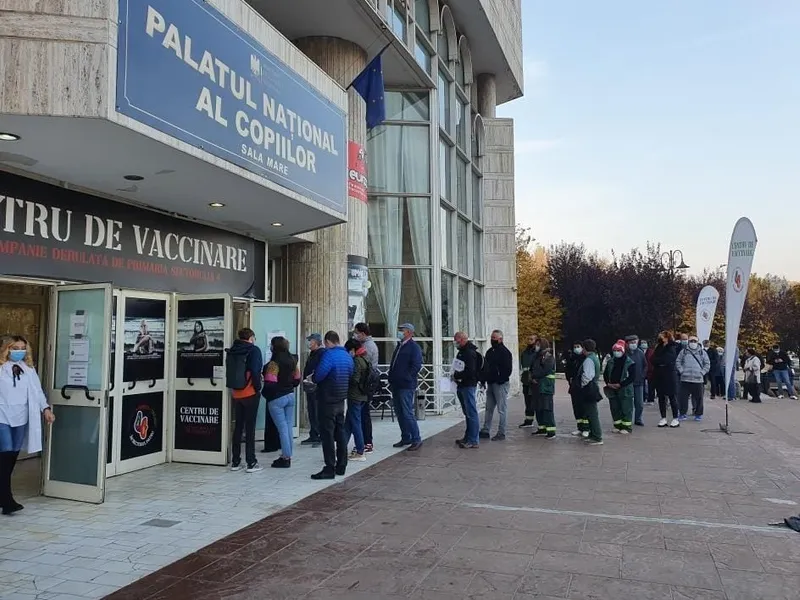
{"x": 403, "y": 373}
{"x": 333, "y": 380}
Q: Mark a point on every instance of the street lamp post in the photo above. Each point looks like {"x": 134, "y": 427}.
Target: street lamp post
{"x": 669, "y": 261}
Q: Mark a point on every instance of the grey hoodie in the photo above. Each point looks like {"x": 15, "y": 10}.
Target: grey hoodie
{"x": 692, "y": 365}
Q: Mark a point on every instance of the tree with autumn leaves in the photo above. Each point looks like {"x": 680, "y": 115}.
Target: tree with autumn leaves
{"x": 568, "y": 293}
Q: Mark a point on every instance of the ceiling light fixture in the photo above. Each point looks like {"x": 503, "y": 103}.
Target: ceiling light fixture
{"x": 8, "y": 137}
{"x": 216, "y": 204}
{"x": 133, "y": 177}
{"x": 277, "y": 224}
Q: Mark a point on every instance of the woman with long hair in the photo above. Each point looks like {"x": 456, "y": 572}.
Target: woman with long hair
{"x": 752, "y": 375}
{"x": 664, "y": 377}
{"x": 199, "y": 340}
{"x": 281, "y": 377}
{"x": 22, "y": 404}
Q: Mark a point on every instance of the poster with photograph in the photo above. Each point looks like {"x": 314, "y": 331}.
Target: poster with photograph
{"x": 142, "y": 425}
{"x": 357, "y": 287}
{"x": 198, "y": 421}
{"x": 200, "y": 341}
{"x": 143, "y": 339}
{"x": 112, "y": 366}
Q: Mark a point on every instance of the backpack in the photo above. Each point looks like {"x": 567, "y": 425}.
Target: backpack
{"x": 371, "y": 383}
{"x": 236, "y": 376}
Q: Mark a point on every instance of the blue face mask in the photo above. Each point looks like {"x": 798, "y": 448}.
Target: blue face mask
{"x": 684, "y": 342}
{"x": 17, "y": 355}
{"x": 617, "y": 354}
{"x": 578, "y": 350}
{"x": 400, "y": 336}
{"x": 643, "y": 345}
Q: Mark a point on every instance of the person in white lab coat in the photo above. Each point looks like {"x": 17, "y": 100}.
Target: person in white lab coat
{"x": 22, "y": 404}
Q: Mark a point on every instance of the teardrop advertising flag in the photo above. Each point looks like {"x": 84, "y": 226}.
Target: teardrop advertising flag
{"x": 706, "y": 309}
{"x": 740, "y": 263}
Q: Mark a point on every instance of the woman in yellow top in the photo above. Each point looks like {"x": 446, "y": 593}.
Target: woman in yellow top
{"x": 22, "y": 403}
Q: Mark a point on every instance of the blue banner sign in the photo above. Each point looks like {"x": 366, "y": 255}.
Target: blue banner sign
{"x": 186, "y": 70}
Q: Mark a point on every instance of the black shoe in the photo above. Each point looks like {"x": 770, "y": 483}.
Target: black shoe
{"x": 401, "y": 444}
{"x": 414, "y": 447}
{"x": 526, "y": 423}
{"x": 484, "y": 435}
{"x": 316, "y": 444}
{"x": 340, "y": 471}
{"x": 551, "y": 435}
{"x": 11, "y": 509}
{"x": 309, "y": 441}
{"x": 499, "y": 437}
{"x": 461, "y": 440}
{"x": 539, "y": 432}
{"x": 282, "y": 463}
{"x": 324, "y": 474}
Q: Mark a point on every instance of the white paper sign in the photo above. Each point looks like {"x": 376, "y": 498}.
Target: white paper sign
{"x": 740, "y": 263}
{"x": 79, "y": 351}
{"x": 447, "y": 385}
{"x": 78, "y": 373}
{"x": 219, "y": 372}
{"x": 706, "y": 309}
{"x": 77, "y": 324}
{"x": 458, "y": 365}
{"x": 270, "y": 335}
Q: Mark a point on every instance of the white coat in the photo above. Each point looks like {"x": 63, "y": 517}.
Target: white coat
{"x": 29, "y": 385}
{"x": 752, "y": 368}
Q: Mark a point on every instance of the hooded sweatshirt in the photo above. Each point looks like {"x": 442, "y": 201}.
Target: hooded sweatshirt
{"x": 254, "y": 365}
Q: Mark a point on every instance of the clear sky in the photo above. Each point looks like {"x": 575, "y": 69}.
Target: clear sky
{"x": 662, "y": 121}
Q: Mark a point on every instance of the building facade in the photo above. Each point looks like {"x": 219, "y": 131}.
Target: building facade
{"x": 171, "y": 170}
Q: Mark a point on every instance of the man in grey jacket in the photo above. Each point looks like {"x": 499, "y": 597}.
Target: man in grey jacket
{"x": 636, "y": 354}
{"x": 692, "y": 365}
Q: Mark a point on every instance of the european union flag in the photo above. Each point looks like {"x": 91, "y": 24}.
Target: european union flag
{"x": 369, "y": 84}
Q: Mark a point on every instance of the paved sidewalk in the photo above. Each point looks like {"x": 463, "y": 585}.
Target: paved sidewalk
{"x": 658, "y": 515}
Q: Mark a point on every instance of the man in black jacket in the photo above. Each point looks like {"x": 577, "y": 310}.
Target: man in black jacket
{"x": 781, "y": 368}
{"x": 316, "y": 349}
{"x": 497, "y": 367}
{"x": 467, "y": 383}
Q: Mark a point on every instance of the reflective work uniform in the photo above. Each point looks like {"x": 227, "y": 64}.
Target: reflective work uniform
{"x": 621, "y": 371}
{"x": 543, "y": 373}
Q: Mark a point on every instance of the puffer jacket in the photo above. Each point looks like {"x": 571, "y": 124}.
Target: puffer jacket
{"x": 692, "y": 365}
{"x": 333, "y": 375}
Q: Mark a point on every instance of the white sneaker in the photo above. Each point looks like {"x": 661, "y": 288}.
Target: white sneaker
{"x": 662, "y": 422}
{"x": 254, "y": 468}
{"x": 584, "y": 434}
{"x": 595, "y": 443}
{"x": 577, "y": 433}
{"x": 793, "y": 397}
{"x": 237, "y": 467}
{"x": 674, "y": 423}
{"x": 780, "y": 396}
{"x": 624, "y": 432}
{"x": 356, "y": 457}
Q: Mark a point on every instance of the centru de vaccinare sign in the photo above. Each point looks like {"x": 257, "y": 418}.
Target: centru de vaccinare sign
{"x": 281, "y": 148}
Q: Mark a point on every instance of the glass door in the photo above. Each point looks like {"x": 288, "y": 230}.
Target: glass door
{"x": 140, "y": 400}
{"x": 201, "y": 408}
{"x": 80, "y": 347}
{"x": 273, "y": 320}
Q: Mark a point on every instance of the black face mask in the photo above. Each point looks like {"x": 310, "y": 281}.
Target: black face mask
{"x": 495, "y": 343}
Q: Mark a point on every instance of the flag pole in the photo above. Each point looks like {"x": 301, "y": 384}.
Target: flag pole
{"x": 373, "y": 58}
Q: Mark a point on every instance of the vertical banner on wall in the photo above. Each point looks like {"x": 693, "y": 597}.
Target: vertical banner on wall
{"x": 144, "y": 333}
{"x": 357, "y": 287}
{"x": 356, "y": 171}
{"x": 201, "y": 332}
{"x": 740, "y": 263}
{"x": 706, "y": 309}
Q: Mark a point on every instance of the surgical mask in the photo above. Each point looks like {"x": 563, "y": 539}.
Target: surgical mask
{"x": 693, "y": 345}
{"x": 617, "y": 354}
{"x": 17, "y": 355}
{"x": 400, "y": 336}
{"x": 633, "y": 346}
{"x": 720, "y": 352}
{"x": 643, "y": 345}
{"x": 684, "y": 342}
{"x": 578, "y": 350}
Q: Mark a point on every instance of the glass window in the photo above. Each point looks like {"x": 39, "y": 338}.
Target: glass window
{"x": 462, "y": 249}
{"x": 479, "y": 324}
{"x": 448, "y": 305}
{"x": 399, "y": 159}
{"x": 399, "y": 296}
{"x": 461, "y": 185}
{"x": 445, "y": 171}
{"x": 460, "y": 72}
{"x": 443, "y": 47}
{"x": 463, "y": 305}
{"x": 397, "y": 18}
{"x": 399, "y": 231}
{"x": 462, "y": 111}
{"x": 422, "y": 54}
{"x": 407, "y": 106}
{"x": 448, "y": 352}
{"x": 477, "y": 255}
{"x": 422, "y": 14}
{"x": 444, "y": 103}
{"x": 477, "y": 198}
{"x": 447, "y": 237}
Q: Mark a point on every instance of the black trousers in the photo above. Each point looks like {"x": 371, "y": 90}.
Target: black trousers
{"x": 366, "y": 420}
{"x": 718, "y": 386}
{"x": 695, "y": 390}
{"x": 332, "y": 435}
{"x": 529, "y": 394}
{"x": 8, "y": 461}
{"x": 754, "y": 389}
{"x": 662, "y": 404}
{"x": 246, "y": 411}
{"x": 312, "y": 408}
{"x": 651, "y": 390}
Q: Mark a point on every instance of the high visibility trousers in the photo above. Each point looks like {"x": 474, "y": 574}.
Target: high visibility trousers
{"x": 546, "y": 420}
{"x": 621, "y": 409}
{"x": 579, "y": 410}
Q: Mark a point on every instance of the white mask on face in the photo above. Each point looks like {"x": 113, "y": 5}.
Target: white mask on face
{"x": 617, "y": 354}
{"x": 693, "y": 345}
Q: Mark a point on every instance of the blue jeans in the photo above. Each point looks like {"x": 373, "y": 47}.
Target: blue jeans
{"x": 12, "y": 438}
{"x": 496, "y": 397}
{"x": 783, "y": 378}
{"x": 638, "y": 403}
{"x": 403, "y": 401}
{"x": 354, "y": 410}
{"x": 466, "y": 396}
{"x": 282, "y": 412}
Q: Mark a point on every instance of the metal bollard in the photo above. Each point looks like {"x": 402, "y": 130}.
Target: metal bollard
{"x": 420, "y": 406}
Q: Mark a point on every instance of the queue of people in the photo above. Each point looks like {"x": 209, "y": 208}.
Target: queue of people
{"x": 339, "y": 381}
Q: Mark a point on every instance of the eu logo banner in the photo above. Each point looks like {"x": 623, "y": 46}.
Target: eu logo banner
{"x": 186, "y": 70}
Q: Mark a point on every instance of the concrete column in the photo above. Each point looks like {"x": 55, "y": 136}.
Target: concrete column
{"x": 487, "y": 95}
{"x": 318, "y": 271}
{"x": 499, "y": 233}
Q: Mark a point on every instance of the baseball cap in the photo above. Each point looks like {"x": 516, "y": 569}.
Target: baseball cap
{"x": 314, "y": 337}
{"x": 407, "y": 326}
